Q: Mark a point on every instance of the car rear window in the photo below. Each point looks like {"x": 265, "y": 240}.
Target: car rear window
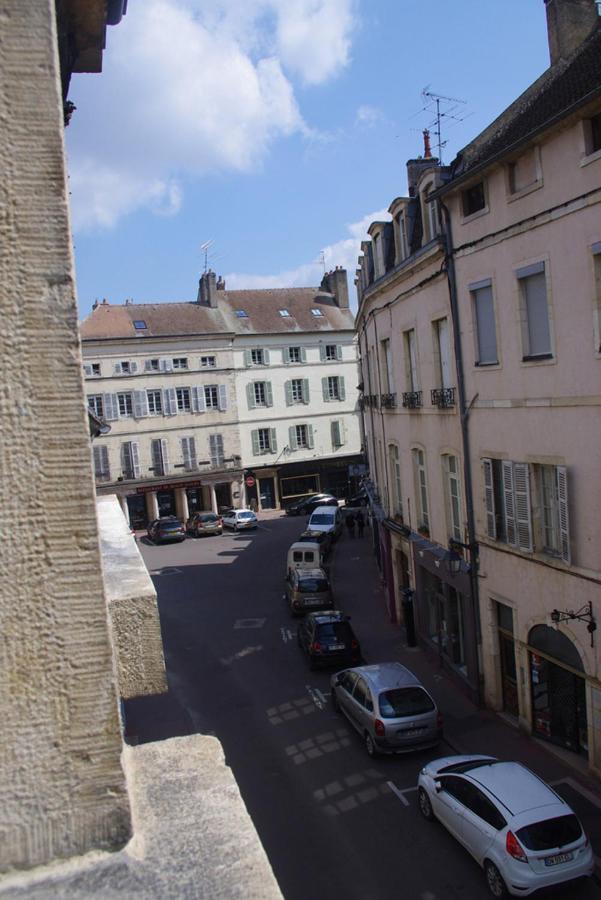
{"x": 246, "y": 515}
{"x": 170, "y": 526}
{"x": 550, "y": 833}
{"x": 208, "y": 518}
{"x": 322, "y": 518}
{"x": 412, "y": 701}
{"x": 338, "y": 631}
{"x": 312, "y": 585}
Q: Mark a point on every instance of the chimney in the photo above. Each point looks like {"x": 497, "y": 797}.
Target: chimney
{"x": 207, "y": 290}
{"x": 569, "y": 23}
{"x": 335, "y": 283}
{"x": 427, "y": 150}
{"x": 220, "y": 284}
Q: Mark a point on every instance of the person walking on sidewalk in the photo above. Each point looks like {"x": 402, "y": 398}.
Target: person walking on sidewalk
{"x": 360, "y": 523}
{"x": 350, "y": 524}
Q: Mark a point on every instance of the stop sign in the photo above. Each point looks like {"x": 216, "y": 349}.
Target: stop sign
{"x": 249, "y": 481}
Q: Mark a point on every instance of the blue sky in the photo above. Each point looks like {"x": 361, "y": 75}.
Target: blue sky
{"x": 275, "y": 128}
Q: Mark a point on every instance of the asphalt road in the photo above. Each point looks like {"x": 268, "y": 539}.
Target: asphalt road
{"x": 333, "y": 821}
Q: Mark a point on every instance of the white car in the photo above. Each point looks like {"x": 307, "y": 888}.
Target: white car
{"x": 516, "y": 827}
{"x": 328, "y": 519}
{"x": 239, "y": 519}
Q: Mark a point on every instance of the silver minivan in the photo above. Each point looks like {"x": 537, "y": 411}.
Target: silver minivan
{"x": 388, "y": 706}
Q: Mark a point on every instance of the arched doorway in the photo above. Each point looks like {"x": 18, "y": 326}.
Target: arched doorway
{"x": 558, "y": 690}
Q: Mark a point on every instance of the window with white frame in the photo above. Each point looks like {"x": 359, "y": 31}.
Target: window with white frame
{"x": 95, "y": 403}
{"x": 260, "y": 395}
{"x": 331, "y": 352}
{"x": 159, "y": 456}
{"x": 553, "y": 527}
{"x": 257, "y": 357}
{"x": 295, "y": 355}
{"x": 183, "y": 399}
{"x": 394, "y": 465}
{"x": 125, "y": 367}
{"x": 216, "y": 453}
{"x": 152, "y": 365}
{"x": 411, "y": 373}
{"x": 297, "y": 391}
{"x": 211, "y": 396}
{"x": 485, "y": 330}
{"x": 378, "y": 254}
{"x": 92, "y": 370}
{"x": 102, "y": 470}
{"x": 402, "y": 237}
{"x": 507, "y": 501}
{"x": 125, "y": 404}
{"x": 300, "y": 437}
{"x": 316, "y": 312}
{"x": 155, "y": 403}
{"x": 208, "y": 362}
{"x": 536, "y": 329}
{"x": 442, "y": 353}
{"x": 421, "y": 488}
{"x": 592, "y": 134}
{"x": 263, "y": 441}
{"x": 130, "y": 459}
{"x": 452, "y": 495}
{"x": 180, "y": 362}
{"x": 189, "y": 454}
{"x": 333, "y": 388}
{"x": 430, "y": 214}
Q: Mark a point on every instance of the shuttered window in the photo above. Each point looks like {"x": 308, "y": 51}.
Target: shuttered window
{"x": 189, "y": 453}
{"x": 125, "y": 404}
{"x": 452, "y": 496}
{"x": 102, "y": 470}
{"x": 333, "y": 388}
{"x": 338, "y": 433}
{"x": 155, "y": 403}
{"x": 553, "y": 488}
{"x": 396, "y": 500}
{"x": 130, "y": 459}
{"x": 484, "y": 321}
{"x": 216, "y": 449}
{"x": 160, "y": 457}
{"x": 536, "y": 329}
{"x": 421, "y": 487}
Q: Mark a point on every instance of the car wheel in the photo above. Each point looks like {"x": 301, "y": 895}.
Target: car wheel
{"x": 425, "y": 807}
{"x": 494, "y": 880}
{"x": 370, "y": 746}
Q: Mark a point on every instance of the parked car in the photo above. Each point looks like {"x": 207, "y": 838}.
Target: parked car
{"x": 523, "y": 834}
{"x": 323, "y": 538}
{"x": 388, "y": 706}
{"x": 166, "y": 529}
{"x": 328, "y": 639}
{"x": 306, "y": 505}
{"x": 205, "y": 522}
{"x": 359, "y": 499}
{"x": 308, "y": 589}
{"x": 328, "y": 519}
{"x": 239, "y": 519}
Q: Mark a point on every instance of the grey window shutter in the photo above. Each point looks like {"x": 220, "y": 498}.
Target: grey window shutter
{"x": 250, "y": 395}
{"x": 185, "y": 452}
{"x": 266, "y": 357}
{"x": 508, "y": 499}
{"x": 166, "y": 365}
{"x": 489, "y": 499}
{"x": 100, "y": 461}
{"x": 341, "y": 389}
{"x": 87, "y": 370}
{"x": 322, "y": 352}
{"x": 561, "y": 474}
{"x": 537, "y": 314}
{"x": 133, "y": 367}
{"x": 273, "y": 441}
{"x": 305, "y": 390}
{"x": 288, "y": 390}
{"x": 118, "y": 368}
{"x": 140, "y": 404}
{"x": 338, "y": 351}
{"x": 292, "y": 438}
{"x": 335, "y": 429}
{"x": 126, "y": 459}
{"x": 156, "y": 457}
{"x": 485, "y": 324}
{"x": 248, "y": 359}
{"x": 303, "y": 354}
{"x": 521, "y": 483}
{"x": 148, "y": 365}
{"x": 222, "y": 397}
{"x": 286, "y": 355}
{"x": 324, "y": 389}
{"x": 170, "y": 402}
{"x": 310, "y": 441}
{"x": 268, "y": 394}
{"x": 192, "y": 452}
{"x": 198, "y": 400}
{"x": 165, "y": 455}
{"x": 110, "y": 407}
{"x": 254, "y": 435}
{"x": 135, "y": 458}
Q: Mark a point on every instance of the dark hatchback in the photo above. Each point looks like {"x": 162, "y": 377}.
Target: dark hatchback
{"x": 306, "y": 505}
{"x": 328, "y": 640}
{"x": 165, "y": 530}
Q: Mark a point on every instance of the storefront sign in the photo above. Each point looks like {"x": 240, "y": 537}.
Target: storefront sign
{"x": 145, "y": 488}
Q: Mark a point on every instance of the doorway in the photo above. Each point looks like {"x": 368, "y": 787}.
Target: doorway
{"x": 267, "y": 493}
{"x": 136, "y": 505}
{"x": 166, "y": 503}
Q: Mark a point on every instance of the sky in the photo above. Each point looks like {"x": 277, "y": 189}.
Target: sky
{"x": 276, "y": 129}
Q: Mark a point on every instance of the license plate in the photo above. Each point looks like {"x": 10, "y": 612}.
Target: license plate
{"x": 336, "y": 647}
{"x": 559, "y": 859}
{"x": 411, "y": 732}
{"x": 313, "y": 601}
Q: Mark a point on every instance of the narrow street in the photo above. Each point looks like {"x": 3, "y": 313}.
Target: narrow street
{"x": 330, "y": 818}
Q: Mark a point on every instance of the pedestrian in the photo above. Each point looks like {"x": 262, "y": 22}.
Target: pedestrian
{"x": 350, "y": 524}
{"x": 360, "y": 523}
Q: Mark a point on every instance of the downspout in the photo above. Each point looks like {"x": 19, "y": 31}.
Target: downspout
{"x": 464, "y": 412}
{"x": 382, "y": 419}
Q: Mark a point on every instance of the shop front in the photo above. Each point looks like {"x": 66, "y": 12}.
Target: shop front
{"x": 295, "y": 480}
{"x": 144, "y": 502}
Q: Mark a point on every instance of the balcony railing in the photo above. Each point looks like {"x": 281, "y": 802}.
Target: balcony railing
{"x": 370, "y": 401}
{"x": 388, "y": 401}
{"x": 412, "y": 399}
{"x": 443, "y": 398}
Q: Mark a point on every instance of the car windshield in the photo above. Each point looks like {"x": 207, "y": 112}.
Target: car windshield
{"x": 312, "y": 585}
{"x": 550, "y": 833}
{"x": 246, "y": 515}
{"x": 334, "y": 631}
{"x": 322, "y": 518}
{"x": 411, "y": 701}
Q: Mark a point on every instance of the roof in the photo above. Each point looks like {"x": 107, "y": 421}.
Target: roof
{"x": 514, "y": 785}
{"x": 568, "y": 84}
{"x": 262, "y": 308}
{"x": 389, "y": 675}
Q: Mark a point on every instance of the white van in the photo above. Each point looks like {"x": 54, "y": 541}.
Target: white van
{"x": 328, "y": 519}
{"x": 304, "y": 555}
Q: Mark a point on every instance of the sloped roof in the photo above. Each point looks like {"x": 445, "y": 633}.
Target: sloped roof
{"x": 262, "y": 307}
{"x": 563, "y": 87}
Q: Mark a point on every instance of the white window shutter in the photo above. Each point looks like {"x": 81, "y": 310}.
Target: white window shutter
{"x": 170, "y": 402}
{"x": 310, "y": 440}
{"x": 288, "y": 390}
{"x": 335, "y": 430}
{"x": 87, "y": 369}
{"x": 118, "y": 368}
{"x": 250, "y": 395}
{"x": 273, "y": 441}
{"x": 324, "y": 389}
{"x": 110, "y": 407}
{"x": 222, "y": 397}
{"x": 292, "y": 438}
{"x": 561, "y": 474}
{"x": 135, "y": 458}
{"x": 255, "y": 441}
{"x": 266, "y": 357}
{"x": 508, "y": 498}
{"x": 338, "y": 351}
{"x": 286, "y": 355}
{"x": 165, "y": 455}
{"x": 489, "y": 499}
{"x": 521, "y": 483}
{"x": 248, "y": 359}
{"x": 322, "y": 352}
{"x": 133, "y": 367}
{"x": 305, "y": 390}
{"x": 341, "y": 389}
{"x": 303, "y": 354}
{"x": 198, "y": 400}
{"x": 268, "y": 394}
{"x": 148, "y": 365}
{"x": 126, "y": 459}
{"x": 185, "y": 452}
{"x": 140, "y": 404}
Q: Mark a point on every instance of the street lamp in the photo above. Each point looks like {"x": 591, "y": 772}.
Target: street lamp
{"x": 453, "y": 558}
{"x": 584, "y": 614}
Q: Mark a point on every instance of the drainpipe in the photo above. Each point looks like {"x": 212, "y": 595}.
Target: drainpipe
{"x": 464, "y": 412}
{"x": 382, "y": 418}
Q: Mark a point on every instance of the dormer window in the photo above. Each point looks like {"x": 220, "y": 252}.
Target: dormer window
{"x": 284, "y": 313}
{"x": 473, "y": 199}
{"x": 378, "y": 255}
{"x": 139, "y": 324}
{"x": 242, "y": 314}
{"x": 430, "y": 213}
{"x": 316, "y": 312}
{"x": 402, "y": 237}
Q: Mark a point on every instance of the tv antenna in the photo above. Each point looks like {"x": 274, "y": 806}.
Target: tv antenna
{"x": 322, "y": 260}
{"x": 446, "y": 108}
{"x": 205, "y": 249}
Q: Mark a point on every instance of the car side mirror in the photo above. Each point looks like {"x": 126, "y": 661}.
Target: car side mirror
{"x": 437, "y": 787}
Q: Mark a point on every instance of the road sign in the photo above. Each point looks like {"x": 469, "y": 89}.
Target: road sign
{"x": 249, "y": 481}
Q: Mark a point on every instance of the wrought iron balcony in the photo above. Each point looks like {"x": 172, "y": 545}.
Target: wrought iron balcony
{"x": 443, "y": 398}
{"x": 370, "y": 401}
{"x": 388, "y": 401}
{"x": 412, "y": 399}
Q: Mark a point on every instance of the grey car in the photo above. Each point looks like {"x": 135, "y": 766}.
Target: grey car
{"x": 388, "y": 706}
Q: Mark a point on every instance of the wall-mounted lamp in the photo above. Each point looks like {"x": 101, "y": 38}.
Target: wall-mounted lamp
{"x": 584, "y": 614}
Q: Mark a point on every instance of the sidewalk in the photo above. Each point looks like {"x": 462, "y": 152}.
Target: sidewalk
{"x": 358, "y": 591}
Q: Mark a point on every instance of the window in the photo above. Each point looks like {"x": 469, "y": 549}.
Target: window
{"x": 411, "y": 360}
{"x": 95, "y": 369}
{"x": 452, "y": 491}
{"x": 216, "y": 449}
{"x": 183, "y": 399}
{"x": 297, "y": 391}
{"x": 189, "y": 453}
{"x": 159, "y": 456}
{"x": 152, "y": 365}
{"x": 316, "y": 312}
{"x": 473, "y": 199}
{"x": 337, "y": 433}
{"x": 92, "y": 370}
{"x": 101, "y": 463}
{"x": 259, "y": 394}
{"x": 592, "y": 134}
{"x": 264, "y": 441}
{"x": 295, "y": 355}
{"x": 180, "y": 362}
{"x": 536, "y": 332}
{"x": 256, "y": 357}
{"x": 130, "y": 459}
{"x": 442, "y": 353}
{"x": 507, "y": 501}
{"x": 333, "y": 388}
{"x": 300, "y": 437}
{"x": 284, "y": 313}
{"x": 421, "y": 488}
{"x": 139, "y": 324}
{"x": 241, "y": 313}
{"x": 330, "y": 352}
{"x": 402, "y": 237}
{"x": 386, "y": 368}
{"x": 215, "y": 397}
{"x": 208, "y": 362}
{"x": 396, "y": 500}
{"x": 484, "y": 323}
{"x": 211, "y": 398}
{"x": 155, "y": 403}
{"x": 523, "y": 172}
{"x": 378, "y": 255}
{"x": 96, "y": 405}
{"x": 125, "y": 404}
{"x": 553, "y": 504}
{"x": 430, "y": 214}
{"x": 125, "y": 367}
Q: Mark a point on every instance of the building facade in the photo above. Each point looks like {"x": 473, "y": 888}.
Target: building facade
{"x": 241, "y": 397}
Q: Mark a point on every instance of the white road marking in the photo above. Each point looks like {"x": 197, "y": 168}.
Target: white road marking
{"x": 401, "y": 794}
{"x": 228, "y": 660}
{"x": 320, "y": 695}
{"x": 249, "y": 623}
{"x": 316, "y": 696}
{"x": 286, "y": 633}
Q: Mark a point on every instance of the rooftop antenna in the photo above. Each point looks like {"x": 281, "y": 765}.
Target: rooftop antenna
{"x": 445, "y": 109}
{"x": 205, "y": 249}
{"x": 322, "y": 256}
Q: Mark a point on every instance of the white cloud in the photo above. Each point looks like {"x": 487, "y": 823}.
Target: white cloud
{"x": 344, "y": 252}
{"x": 367, "y": 115}
{"x": 191, "y": 89}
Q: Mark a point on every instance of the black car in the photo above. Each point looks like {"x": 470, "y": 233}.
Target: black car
{"x": 358, "y": 499}
{"x": 328, "y": 639}
{"x": 306, "y": 505}
{"x": 168, "y": 528}
{"x": 323, "y": 538}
